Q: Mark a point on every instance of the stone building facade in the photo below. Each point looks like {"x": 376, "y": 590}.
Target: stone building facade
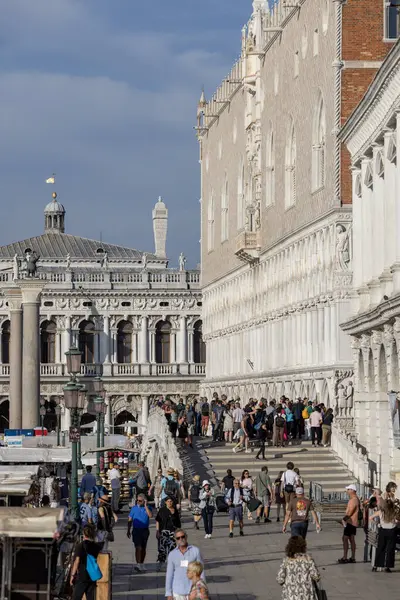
{"x": 372, "y": 136}
{"x": 276, "y": 217}
{"x": 136, "y": 321}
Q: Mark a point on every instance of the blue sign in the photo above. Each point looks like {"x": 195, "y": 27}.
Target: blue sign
{"x": 17, "y": 432}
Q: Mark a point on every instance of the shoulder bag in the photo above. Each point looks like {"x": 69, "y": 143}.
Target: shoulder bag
{"x": 319, "y": 592}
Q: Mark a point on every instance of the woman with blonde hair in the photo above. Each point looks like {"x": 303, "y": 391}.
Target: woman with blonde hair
{"x": 199, "y": 589}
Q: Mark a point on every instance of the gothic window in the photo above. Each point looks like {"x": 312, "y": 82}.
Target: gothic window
{"x": 318, "y": 148}
{"x": 5, "y": 343}
{"x": 240, "y": 198}
{"x": 199, "y": 347}
{"x": 224, "y": 210}
{"x": 290, "y": 166}
{"x": 163, "y": 342}
{"x": 270, "y": 170}
{"x": 211, "y": 223}
{"x": 86, "y": 341}
{"x": 392, "y": 19}
{"x": 48, "y": 332}
{"x": 124, "y": 342}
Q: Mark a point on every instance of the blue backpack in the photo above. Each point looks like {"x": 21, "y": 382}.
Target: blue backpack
{"x": 93, "y": 568}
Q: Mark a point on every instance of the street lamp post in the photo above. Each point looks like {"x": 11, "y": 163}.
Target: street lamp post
{"x": 99, "y": 404}
{"x": 58, "y": 429}
{"x": 42, "y": 413}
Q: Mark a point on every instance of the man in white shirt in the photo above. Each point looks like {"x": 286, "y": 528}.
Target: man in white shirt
{"x": 234, "y": 499}
{"x": 115, "y": 484}
{"x": 289, "y": 482}
{"x": 316, "y": 422}
{"x": 237, "y": 417}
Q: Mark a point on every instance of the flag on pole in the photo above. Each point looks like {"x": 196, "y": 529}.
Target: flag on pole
{"x": 51, "y": 179}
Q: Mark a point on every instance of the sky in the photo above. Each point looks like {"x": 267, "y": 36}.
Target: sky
{"x": 103, "y": 93}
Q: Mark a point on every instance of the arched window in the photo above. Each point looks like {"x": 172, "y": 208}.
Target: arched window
{"x": 199, "y": 347}
{"x": 163, "y": 342}
{"x": 290, "y": 166}
{"x": 319, "y": 146}
{"x": 48, "y": 332}
{"x": 124, "y": 342}
{"x": 392, "y": 19}
{"x": 211, "y": 223}
{"x": 240, "y": 198}
{"x": 86, "y": 341}
{"x": 270, "y": 170}
{"x": 5, "y": 343}
{"x": 224, "y": 210}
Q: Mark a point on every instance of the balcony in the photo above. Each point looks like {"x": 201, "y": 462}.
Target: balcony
{"x": 248, "y": 246}
{"x": 118, "y": 371}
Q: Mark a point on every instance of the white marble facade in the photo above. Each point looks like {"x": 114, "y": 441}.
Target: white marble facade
{"x": 276, "y": 240}
{"x": 136, "y": 321}
{"x": 372, "y": 136}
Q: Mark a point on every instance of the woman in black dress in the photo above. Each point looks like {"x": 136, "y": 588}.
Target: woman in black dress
{"x": 167, "y": 522}
{"x": 79, "y": 579}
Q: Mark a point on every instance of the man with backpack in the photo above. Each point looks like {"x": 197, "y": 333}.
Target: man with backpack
{"x": 194, "y": 499}
{"x": 279, "y": 427}
{"x": 170, "y": 488}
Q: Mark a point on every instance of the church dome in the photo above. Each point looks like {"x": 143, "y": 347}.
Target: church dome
{"x": 54, "y": 216}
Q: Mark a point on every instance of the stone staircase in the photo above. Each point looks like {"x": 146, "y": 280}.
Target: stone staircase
{"x": 319, "y": 464}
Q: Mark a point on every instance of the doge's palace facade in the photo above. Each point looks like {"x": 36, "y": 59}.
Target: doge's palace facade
{"x": 276, "y": 215}
{"x": 136, "y": 321}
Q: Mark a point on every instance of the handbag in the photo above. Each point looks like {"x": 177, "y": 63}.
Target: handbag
{"x": 319, "y": 592}
{"x": 253, "y": 504}
{"x": 110, "y": 535}
{"x": 93, "y": 568}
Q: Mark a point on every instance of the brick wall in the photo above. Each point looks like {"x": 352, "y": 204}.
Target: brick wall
{"x": 363, "y": 40}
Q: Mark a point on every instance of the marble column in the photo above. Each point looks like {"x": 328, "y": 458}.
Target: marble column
{"x": 114, "y": 333}
{"x": 172, "y": 348}
{"x": 66, "y": 339}
{"x": 152, "y": 345}
{"x": 14, "y": 299}
{"x": 107, "y": 416}
{"x": 182, "y": 338}
{"x": 105, "y": 341}
{"x": 145, "y": 412}
{"x": 143, "y": 344}
{"x": 31, "y": 290}
{"x": 66, "y": 419}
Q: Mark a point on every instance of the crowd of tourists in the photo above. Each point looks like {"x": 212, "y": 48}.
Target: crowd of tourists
{"x": 261, "y": 422}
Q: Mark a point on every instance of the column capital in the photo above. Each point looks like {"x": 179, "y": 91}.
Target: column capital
{"x": 31, "y": 290}
{"x": 14, "y": 299}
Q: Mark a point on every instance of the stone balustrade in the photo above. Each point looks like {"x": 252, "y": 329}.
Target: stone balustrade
{"x": 354, "y": 456}
{"x": 158, "y": 445}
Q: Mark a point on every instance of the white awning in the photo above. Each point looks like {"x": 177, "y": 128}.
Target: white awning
{"x": 15, "y": 480}
{"x": 29, "y": 522}
{"x": 35, "y": 455}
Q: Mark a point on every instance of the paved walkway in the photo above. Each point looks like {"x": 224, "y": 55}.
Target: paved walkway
{"x": 245, "y": 568}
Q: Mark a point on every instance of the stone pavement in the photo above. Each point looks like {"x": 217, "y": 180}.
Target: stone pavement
{"x": 246, "y": 568}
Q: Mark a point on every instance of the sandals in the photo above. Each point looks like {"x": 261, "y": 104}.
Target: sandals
{"x": 343, "y": 561}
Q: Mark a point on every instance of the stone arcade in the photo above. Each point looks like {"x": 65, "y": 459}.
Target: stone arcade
{"x": 136, "y": 321}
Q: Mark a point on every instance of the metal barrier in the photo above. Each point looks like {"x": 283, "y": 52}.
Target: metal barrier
{"x": 317, "y": 493}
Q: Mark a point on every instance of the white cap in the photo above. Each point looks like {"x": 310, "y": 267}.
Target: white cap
{"x": 351, "y": 487}
{"x": 299, "y": 490}
{"x": 205, "y": 482}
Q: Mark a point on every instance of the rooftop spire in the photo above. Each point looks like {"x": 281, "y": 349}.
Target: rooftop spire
{"x": 160, "y": 227}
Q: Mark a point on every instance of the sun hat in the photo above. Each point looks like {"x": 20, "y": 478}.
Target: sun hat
{"x": 205, "y": 482}
{"x": 170, "y": 471}
{"x": 299, "y": 490}
{"x": 351, "y": 487}
{"x": 196, "y": 478}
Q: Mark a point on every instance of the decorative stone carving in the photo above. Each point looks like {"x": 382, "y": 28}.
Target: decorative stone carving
{"x": 136, "y": 321}
{"x": 153, "y": 320}
{"x": 139, "y": 303}
{"x": 62, "y": 303}
{"x": 114, "y": 303}
{"x": 102, "y": 303}
{"x": 75, "y": 322}
{"x": 75, "y": 303}
{"x": 114, "y": 320}
{"x": 177, "y": 303}
{"x": 174, "y": 322}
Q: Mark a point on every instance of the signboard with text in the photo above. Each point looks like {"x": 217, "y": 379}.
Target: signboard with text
{"x": 13, "y": 441}
{"x": 74, "y": 434}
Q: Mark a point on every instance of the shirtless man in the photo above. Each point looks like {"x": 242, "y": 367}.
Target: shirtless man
{"x": 350, "y": 523}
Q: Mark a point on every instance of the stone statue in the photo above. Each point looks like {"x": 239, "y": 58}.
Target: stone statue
{"x": 342, "y": 248}
{"x": 105, "y": 260}
{"x": 31, "y": 260}
{"x": 349, "y": 397}
{"x": 341, "y": 399}
{"x": 16, "y": 267}
{"x": 182, "y": 261}
{"x": 144, "y": 260}
{"x": 68, "y": 261}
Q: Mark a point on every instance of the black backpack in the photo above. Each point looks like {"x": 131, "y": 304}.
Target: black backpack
{"x": 205, "y": 409}
{"x": 195, "y": 493}
{"x": 280, "y": 421}
{"x": 171, "y": 488}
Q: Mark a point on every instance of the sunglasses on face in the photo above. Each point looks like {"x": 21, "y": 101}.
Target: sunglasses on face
{"x": 180, "y": 537}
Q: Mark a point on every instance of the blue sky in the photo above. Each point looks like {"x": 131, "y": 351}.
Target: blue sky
{"x": 104, "y": 93}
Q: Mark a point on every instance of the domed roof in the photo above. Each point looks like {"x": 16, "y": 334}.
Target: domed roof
{"x": 54, "y": 207}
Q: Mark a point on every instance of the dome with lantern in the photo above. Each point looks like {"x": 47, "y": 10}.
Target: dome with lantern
{"x": 54, "y": 216}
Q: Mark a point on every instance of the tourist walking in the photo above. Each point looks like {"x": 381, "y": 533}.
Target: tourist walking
{"x": 106, "y": 519}
{"x": 207, "y": 506}
{"x": 114, "y": 476}
{"x": 156, "y": 488}
{"x": 139, "y": 521}
{"x": 350, "y": 523}
{"x": 289, "y": 480}
{"x": 227, "y": 481}
{"x": 85, "y": 511}
{"x": 237, "y": 416}
{"x": 167, "y": 522}
{"x": 297, "y": 513}
{"x": 228, "y": 424}
{"x": 246, "y": 483}
{"x": 194, "y": 499}
{"x": 205, "y": 416}
{"x": 264, "y": 494}
{"x": 262, "y": 433}
{"x": 235, "y": 499}
{"x": 199, "y": 589}
{"x": 177, "y": 583}
{"x": 279, "y": 427}
{"x": 327, "y": 427}
{"x": 298, "y": 572}
{"x": 278, "y": 497}
{"x": 142, "y": 480}
{"x": 173, "y": 423}
{"x": 316, "y": 422}
{"x": 88, "y": 481}
{"x": 170, "y": 488}
{"x": 80, "y": 579}
{"x": 387, "y": 536}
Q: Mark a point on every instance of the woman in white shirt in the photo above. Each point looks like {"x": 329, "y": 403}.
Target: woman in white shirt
{"x": 246, "y": 483}
{"x": 385, "y": 553}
